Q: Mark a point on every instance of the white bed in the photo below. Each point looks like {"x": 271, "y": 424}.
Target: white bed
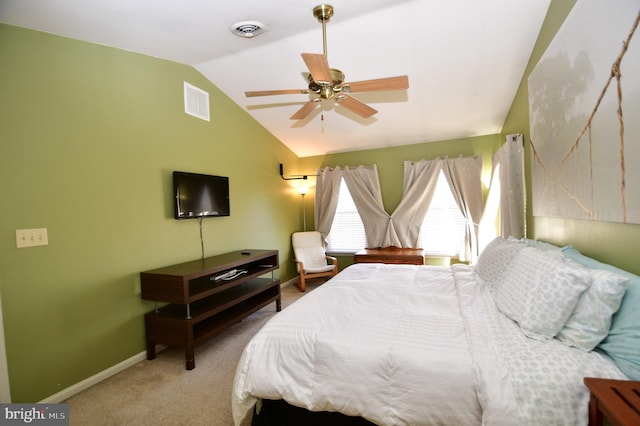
{"x": 412, "y": 345}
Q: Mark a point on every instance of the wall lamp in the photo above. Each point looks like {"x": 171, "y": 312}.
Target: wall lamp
{"x": 295, "y": 177}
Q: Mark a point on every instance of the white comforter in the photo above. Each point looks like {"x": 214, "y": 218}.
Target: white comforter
{"x": 405, "y": 345}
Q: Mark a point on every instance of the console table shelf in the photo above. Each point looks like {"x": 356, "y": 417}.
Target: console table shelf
{"x": 201, "y": 306}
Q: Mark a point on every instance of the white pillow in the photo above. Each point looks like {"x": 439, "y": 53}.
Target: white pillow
{"x": 540, "y": 290}
{"x": 590, "y": 321}
{"x": 495, "y": 258}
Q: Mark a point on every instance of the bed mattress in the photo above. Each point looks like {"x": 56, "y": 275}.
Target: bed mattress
{"x": 412, "y": 345}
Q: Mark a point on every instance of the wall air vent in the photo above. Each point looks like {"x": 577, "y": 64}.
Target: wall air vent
{"x": 196, "y": 102}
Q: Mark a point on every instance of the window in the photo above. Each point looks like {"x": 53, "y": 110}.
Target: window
{"x": 347, "y": 231}
{"x": 443, "y": 228}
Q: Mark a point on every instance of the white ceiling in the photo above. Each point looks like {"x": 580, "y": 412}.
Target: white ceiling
{"x": 464, "y": 58}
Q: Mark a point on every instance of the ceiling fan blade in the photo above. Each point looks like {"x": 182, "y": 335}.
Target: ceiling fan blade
{"x": 305, "y": 110}
{"x": 276, "y": 92}
{"x": 319, "y": 67}
{"x": 360, "y": 108}
{"x": 389, "y": 83}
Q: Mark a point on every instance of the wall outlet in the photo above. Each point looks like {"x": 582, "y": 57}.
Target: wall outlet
{"x": 31, "y": 237}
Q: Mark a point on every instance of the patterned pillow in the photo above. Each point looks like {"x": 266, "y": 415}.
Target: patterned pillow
{"x": 540, "y": 291}
{"x": 590, "y": 321}
{"x": 495, "y": 258}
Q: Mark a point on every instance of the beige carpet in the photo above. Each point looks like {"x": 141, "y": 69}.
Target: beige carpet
{"x": 163, "y": 392}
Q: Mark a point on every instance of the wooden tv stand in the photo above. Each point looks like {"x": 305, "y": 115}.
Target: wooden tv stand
{"x": 201, "y": 306}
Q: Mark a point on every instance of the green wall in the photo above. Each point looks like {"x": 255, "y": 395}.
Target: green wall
{"x": 90, "y": 136}
{"x": 614, "y": 243}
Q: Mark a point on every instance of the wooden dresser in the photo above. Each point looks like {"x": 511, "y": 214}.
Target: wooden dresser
{"x": 397, "y": 255}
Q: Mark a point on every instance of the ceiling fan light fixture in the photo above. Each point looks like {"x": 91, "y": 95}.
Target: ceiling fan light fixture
{"x": 247, "y": 29}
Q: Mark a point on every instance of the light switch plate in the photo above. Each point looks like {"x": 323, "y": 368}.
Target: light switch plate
{"x": 31, "y": 237}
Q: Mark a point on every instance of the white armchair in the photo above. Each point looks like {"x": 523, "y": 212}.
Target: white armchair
{"x": 311, "y": 258}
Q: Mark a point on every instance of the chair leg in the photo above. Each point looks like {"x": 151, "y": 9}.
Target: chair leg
{"x": 302, "y": 283}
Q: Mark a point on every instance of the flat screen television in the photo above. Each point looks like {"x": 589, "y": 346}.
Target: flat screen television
{"x": 198, "y": 195}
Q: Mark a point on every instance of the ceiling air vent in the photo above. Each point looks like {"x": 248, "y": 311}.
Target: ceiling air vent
{"x": 247, "y": 29}
{"x": 196, "y": 101}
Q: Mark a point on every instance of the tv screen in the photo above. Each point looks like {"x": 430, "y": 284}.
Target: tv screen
{"x": 198, "y": 195}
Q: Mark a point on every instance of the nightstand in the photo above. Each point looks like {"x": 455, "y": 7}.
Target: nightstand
{"x": 617, "y": 400}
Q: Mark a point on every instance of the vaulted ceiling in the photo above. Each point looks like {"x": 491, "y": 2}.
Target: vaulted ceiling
{"x": 464, "y": 58}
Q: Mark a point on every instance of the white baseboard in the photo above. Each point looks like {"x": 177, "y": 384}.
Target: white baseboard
{"x": 67, "y": 393}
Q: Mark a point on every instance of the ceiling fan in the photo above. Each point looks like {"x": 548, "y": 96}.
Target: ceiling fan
{"x": 329, "y": 82}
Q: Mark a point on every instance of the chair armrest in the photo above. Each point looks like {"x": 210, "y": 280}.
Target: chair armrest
{"x": 300, "y": 265}
{"x": 334, "y": 261}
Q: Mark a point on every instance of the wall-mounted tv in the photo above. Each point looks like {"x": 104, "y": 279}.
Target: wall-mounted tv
{"x": 197, "y": 195}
